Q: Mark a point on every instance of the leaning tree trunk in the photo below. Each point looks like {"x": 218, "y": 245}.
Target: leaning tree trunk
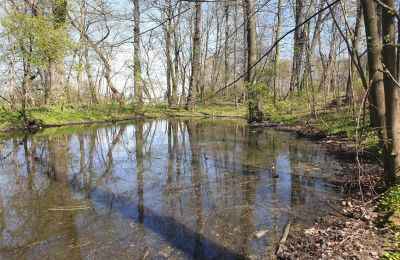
{"x": 191, "y": 100}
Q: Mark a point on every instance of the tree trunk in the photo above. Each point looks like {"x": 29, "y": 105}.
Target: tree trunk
{"x": 254, "y": 99}
{"x": 278, "y": 48}
{"x": 191, "y": 100}
{"x": 58, "y": 89}
{"x": 137, "y": 68}
{"x": 391, "y": 92}
{"x": 298, "y": 47}
{"x": 226, "y": 49}
{"x": 375, "y": 67}
{"x": 356, "y": 47}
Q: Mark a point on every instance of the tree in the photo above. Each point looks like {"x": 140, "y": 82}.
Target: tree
{"x": 254, "y": 99}
{"x": 137, "y": 68}
{"x": 383, "y": 94}
{"x": 277, "y": 50}
{"x": 58, "y": 88}
{"x": 298, "y": 48}
{"x": 194, "y": 78}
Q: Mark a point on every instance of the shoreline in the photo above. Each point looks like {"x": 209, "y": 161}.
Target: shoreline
{"x": 34, "y": 128}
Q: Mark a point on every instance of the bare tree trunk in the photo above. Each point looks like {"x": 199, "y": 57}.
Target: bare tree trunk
{"x": 298, "y": 50}
{"x": 226, "y": 49}
{"x": 201, "y": 85}
{"x": 175, "y": 77}
{"x": 375, "y": 67}
{"x": 81, "y": 46}
{"x": 356, "y": 46}
{"x": 235, "y": 59}
{"x": 216, "y": 58}
{"x": 91, "y": 84}
{"x": 169, "y": 60}
{"x": 392, "y": 169}
{"x": 137, "y": 68}
{"x": 254, "y": 110}
{"x": 278, "y": 48}
{"x": 191, "y": 100}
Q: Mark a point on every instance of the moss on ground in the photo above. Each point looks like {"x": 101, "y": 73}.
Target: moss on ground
{"x": 71, "y": 114}
{"x": 390, "y": 206}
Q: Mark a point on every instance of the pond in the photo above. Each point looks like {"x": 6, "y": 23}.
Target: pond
{"x": 158, "y": 189}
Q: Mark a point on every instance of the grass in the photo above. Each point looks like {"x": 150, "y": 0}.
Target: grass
{"x": 76, "y": 114}
{"x": 390, "y": 206}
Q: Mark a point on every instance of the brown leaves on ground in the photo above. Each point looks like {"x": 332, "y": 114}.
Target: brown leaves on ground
{"x": 350, "y": 235}
{"x": 350, "y": 231}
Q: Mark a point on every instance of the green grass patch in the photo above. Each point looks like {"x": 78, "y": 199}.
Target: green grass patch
{"x": 79, "y": 114}
{"x": 391, "y": 203}
{"x": 395, "y": 254}
{"x": 390, "y": 207}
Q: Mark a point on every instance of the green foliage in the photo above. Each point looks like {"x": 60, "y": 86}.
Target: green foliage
{"x": 258, "y": 90}
{"x": 371, "y": 141}
{"x": 390, "y": 206}
{"x": 339, "y": 123}
{"x": 391, "y": 200}
{"x": 76, "y": 114}
{"x": 394, "y": 255}
{"x": 35, "y": 38}
{"x": 60, "y": 13}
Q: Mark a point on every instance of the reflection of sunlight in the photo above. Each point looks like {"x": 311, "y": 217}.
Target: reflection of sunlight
{"x": 178, "y": 188}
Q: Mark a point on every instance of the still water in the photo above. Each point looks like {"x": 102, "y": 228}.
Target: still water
{"x": 158, "y": 189}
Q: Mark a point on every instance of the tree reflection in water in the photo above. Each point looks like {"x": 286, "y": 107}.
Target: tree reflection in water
{"x": 169, "y": 188}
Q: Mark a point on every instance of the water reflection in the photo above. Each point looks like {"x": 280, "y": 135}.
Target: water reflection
{"x": 179, "y": 189}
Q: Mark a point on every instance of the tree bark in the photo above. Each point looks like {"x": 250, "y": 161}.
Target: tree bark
{"x": 137, "y": 68}
{"x": 356, "y": 47}
{"x": 299, "y": 41}
{"x": 377, "y": 92}
{"x": 254, "y": 110}
{"x": 391, "y": 92}
{"x": 58, "y": 89}
{"x": 191, "y": 100}
{"x": 278, "y": 49}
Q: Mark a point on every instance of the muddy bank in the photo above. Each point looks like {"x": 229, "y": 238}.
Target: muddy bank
{"x": 351, "y": 230}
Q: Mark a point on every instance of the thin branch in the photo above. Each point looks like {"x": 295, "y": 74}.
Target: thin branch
{"x": 271, "y": 49}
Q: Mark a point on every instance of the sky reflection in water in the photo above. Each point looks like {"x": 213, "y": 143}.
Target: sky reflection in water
{"x": 178, "y": 189}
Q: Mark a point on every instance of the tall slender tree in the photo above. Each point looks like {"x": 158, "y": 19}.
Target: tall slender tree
{"x": 137, "y": 67}
{"x": 254, "y": 102}
{"x": 194, "y": 78}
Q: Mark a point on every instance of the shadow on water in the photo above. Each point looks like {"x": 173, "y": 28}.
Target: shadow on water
{"x": 178, "y": 235}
